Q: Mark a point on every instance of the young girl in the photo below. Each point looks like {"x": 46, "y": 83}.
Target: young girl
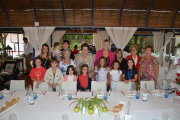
{"x": 84, "y": 81}
{"x": 37, "y": 72}
{"x": 53, "y": 76}
{"x": 130, "y": 73}
{"x": 115, "y": 75}
{"x": 70, "y": 74}
{"x": 57, "y": 52}
{"x": 102, "y": 72}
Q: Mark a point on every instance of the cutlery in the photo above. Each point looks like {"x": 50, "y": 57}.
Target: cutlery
{"x": 150, "y": 92}
{"x": 122, "y": 93}
{"x": 109, "y": 92}
{"x": 44, "y": 93}
{"x": 12, "y": 92}
{"x": 92, "y": 94}
{"x": 59, "y": 94}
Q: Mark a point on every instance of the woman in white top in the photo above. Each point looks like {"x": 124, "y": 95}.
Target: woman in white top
{"x": 53, "y": 76}
{"x": 64, "y": 63}
{"x": 102, "y": 72}
{"x": 115, "y": 75}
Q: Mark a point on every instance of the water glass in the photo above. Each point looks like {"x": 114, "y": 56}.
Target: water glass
{"x": 166, "y": 95}
{"x": 35, "y": 95}
{"x": 116, "y": 116}
{"x": 105, "y": 96}
{"x": 164, "y": 116}
{"x": 65, "y": 117}
{"x": 69, "y": 96}
{"x": 1, "y": 95}
{"x": 12, "y": 116}
{"x": 137, "y": 95}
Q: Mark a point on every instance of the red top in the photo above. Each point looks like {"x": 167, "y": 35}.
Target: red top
{"x": 83, "y": 81}
{"x": 75, "y": 51}
{"x": 138, "y": 60}
{"x": 38, "y": 73}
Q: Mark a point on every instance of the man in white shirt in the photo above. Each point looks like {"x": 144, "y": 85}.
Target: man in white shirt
{"x": 28, "y": 53}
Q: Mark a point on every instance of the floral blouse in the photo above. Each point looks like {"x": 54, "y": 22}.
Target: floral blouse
{"x": 148, "y": 71}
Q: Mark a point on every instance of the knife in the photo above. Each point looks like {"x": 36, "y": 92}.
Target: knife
{"x": 122, "y": 93}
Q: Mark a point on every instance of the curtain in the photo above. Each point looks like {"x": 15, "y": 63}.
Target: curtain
{"x": 120, "y": 35}
{"x": 160, "y": 38}
{"x": 38, "y": 36}
{"x": 98, "y": 39}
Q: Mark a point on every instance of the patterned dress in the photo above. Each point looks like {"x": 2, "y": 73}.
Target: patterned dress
{"x": 148, "y": 71}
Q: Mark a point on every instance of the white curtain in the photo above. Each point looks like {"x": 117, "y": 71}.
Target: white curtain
{"x": 98, "y": 39}
{"x": 37, "y": 36}
{"x": 120, "y": 35}
{"x": 56, "y": 36}
{"x": 160, "y": 38}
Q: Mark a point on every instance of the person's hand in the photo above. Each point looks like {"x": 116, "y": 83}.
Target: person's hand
{"x": 31, "y": 63}
{"x": 107, "y": 84}
{"x": 50, "y": 85}
{"x": 109, "y": 68}
{"x": 88, "y": 90}
{"x": 79, "y": 90}
{"x": 37, "y": 85}
{"x": 95, "y": 67}
{"x": 90, "y": 74}
{"x": 127, "y": 81}
{"x": 56, "y": 85}
{"x": 38, "y": 81}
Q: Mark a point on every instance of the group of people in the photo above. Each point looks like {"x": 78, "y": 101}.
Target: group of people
{"x": 108, "y": 66}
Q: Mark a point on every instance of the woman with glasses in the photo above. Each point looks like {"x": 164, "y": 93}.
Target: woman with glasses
{"x": 66, "y": 61}
{"x": 120, "y": 59}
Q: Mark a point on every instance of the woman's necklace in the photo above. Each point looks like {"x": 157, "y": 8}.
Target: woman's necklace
{"x": 148, "y": 58}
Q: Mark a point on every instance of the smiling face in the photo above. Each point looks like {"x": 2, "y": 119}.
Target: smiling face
{"x": 102, "y": 62}
{"x": 45, "y": 49}
{"x": 148, "y": 52}
{"x": 116, "y": 66}
{"x": 130, "y": 64}
{"x": 134, "y": 51}
{"x": 119, "y": 54}
{"x": 65, "y": 45}
{"x": 71, "y": 71}
{"x": 85, "y": 50}
{"x": 67, "y": 54}
{"x": 54, "y": 64}
{"x": 38, "y": 63}
{"x": 84, "y": 70}
{"x": 106, "y": 45}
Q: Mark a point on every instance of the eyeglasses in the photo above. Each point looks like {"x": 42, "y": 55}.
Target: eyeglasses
{"x": 119, "y": 53}
{"x": 66, "y": 53}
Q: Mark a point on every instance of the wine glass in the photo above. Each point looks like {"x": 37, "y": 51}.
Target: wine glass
{"x": 12, "y": 116}
{"x": 164, "y": 116}
{"x": 27, "y": 88}
{"x": 65, "y": 116}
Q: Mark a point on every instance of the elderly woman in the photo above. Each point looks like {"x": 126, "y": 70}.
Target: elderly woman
{"x": 109, "y": 55}
{"x": 85, "y": 58}
{"x": 120, "y": 59}
{"x": 134, "y": 49}
{"x": 53, "y": 76}
{"x": 66, "y": 61}
{"x": 66, "y": 45}
{"x": 149, "y": 66}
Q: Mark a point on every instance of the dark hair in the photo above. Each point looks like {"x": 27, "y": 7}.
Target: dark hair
{"x": 105, "y": 65}
{"x": 94, "y": 47}
{"x": 114, "y": 63}
{"x": 34, "y": 65}
{"x": 56, "y": 44}
{"x": 149, "y": 46}
{"x": 75, "y": 46}
{"x": 133, "y": 67}
{"x": 66, "y": 41}
{"x": 25, "y": 38}
{"x": 54, "y": 59}
{"x": 84, "y": 65}
{"x": 72, "y": 67}
{"x": 48, "y": 53}
{"x": 84, "y": 45}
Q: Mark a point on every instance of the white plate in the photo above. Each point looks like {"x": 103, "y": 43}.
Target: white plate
{"x": 130, "y": 93}
{"x": 157, "y": 92}
{"x": 7, "y": 110}
{"x": 123, "y": 108}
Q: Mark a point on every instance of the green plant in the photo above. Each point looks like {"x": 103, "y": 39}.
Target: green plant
{"x": 97, "y": 103}
{"x": 80, "y": 103}
{"x": 179, "y": 44}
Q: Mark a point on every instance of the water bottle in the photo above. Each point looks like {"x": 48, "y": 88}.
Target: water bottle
{"x": 144, "y": 95}
{"x": 31, "y": 96}
{"x": 128, "y": 113}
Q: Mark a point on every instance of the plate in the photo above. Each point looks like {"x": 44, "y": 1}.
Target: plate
{"x": 123, "y": 108}
{"x": 130, "y": 93}
{"x": 157, "y": 92}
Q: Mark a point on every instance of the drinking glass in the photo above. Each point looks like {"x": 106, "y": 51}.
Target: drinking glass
{"x": 27, "y": 88}
{"x": 137, "y": 95}
{"x": 35, "y": 95}
{"x": 105, "y": 96}
{"x": 12, "y": 116}
{"x": 65, "y": 117}
{"x": 69, "y": 96}
{"x": 1, "y": 95}
{"x": 166, "y": 95}
{"x": 164, "y": 116}
{"x": 116, "y": 117}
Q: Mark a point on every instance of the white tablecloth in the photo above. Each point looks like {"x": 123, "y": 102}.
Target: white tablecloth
{"x": 51, "y": 107}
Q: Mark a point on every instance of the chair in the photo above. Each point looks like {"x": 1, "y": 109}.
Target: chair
{"x": 121, "y": 86}
{"x": 161, "y": 76}
{"x": 172, "y": 67}
{"x": 150, "y": 85}
{"x": 17, "y": 85}
{"x": 98, "y": 84}
{"x": 69, "y": 86}
{"x": 171, "y": 75}
{"x": 165, "y": 64}
{"x": 42, "y": 87}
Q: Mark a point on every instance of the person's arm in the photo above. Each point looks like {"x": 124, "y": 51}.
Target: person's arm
{"x": 34, "y": 79}
{"x": 112, "y": 58}
{"x": 75, "y": 78}
{"x": 139, "y": 74}
{"x": 89, "y": 84}
{"x": 65, "y": 78}
{"x": 157, "y": 73}
{"x": 135, "y": 78}
{"x": 61, "y": 77}
{"x": 96, "y": 59}
{"x": 121, "y": 77}
{"x": 110, "y": 81}
{"x": 77, "y": 64}
{"x": 78, "y": 86}
{"x": 125, "y": 81}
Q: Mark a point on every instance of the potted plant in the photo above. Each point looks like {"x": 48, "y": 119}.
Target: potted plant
{"x": 81, "y": 103}
{"x": 98, "y": 104}
{"x": 178, "y": 44}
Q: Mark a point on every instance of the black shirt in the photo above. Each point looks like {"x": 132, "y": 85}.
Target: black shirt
{"x": 72, "y": 54}
{"x": 131, "y": 74}
{"x": 122, "y": 64}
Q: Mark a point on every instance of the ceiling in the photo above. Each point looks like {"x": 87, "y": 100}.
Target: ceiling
{"x": 125, "y": 13}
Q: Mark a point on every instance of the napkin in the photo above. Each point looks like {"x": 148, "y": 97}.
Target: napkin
{"x": 158, "y": 92}
{"x": 6, "y": 92}
{"x": 130, "y": 92}
{"x": 99, "y": 93}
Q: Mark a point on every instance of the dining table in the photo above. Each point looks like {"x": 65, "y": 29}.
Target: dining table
{"x": 51, "y": 107}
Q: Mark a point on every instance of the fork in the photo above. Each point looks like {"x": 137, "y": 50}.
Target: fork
{"x": 44, "y": 93}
